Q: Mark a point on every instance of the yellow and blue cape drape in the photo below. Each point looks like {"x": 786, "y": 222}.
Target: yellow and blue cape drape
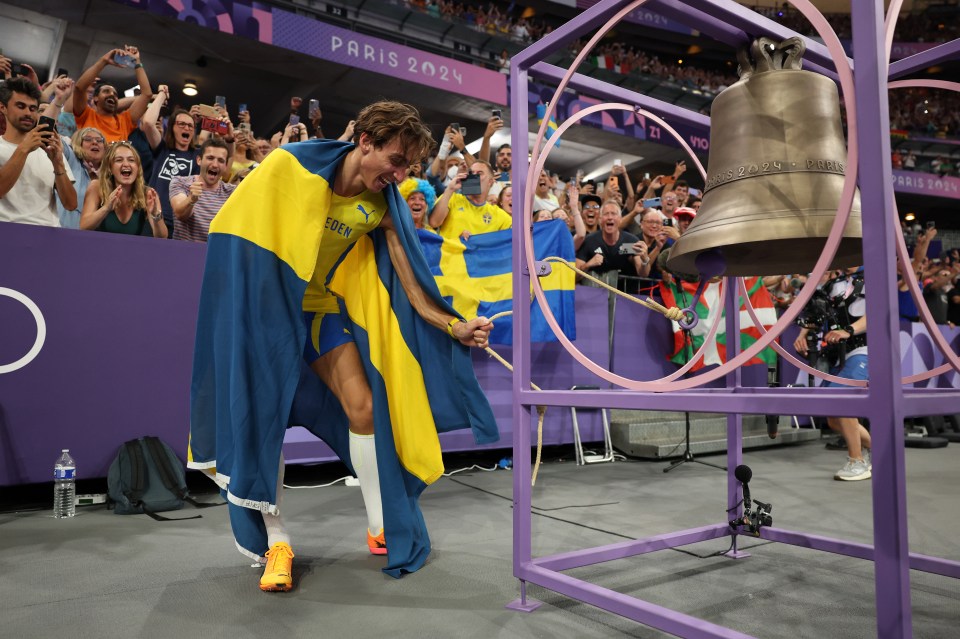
{"x": 249, "y": 380}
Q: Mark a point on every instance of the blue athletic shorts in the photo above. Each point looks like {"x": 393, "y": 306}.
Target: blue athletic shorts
{"x": 853, "y": 368}
{"x": 325, "y": 331}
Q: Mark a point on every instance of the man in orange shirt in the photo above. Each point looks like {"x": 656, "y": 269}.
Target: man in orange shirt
{"x": 103, "y": 114}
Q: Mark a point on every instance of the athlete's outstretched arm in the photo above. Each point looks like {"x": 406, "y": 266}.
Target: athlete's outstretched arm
{"x": 475, "y": 332}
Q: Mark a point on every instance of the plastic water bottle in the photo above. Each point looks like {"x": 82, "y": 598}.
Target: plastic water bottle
{"x": 64, "y": 486}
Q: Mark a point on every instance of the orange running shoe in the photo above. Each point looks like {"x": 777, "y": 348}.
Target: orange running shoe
{"x": 278, "y": 575}
{"x": 376, "y": 544}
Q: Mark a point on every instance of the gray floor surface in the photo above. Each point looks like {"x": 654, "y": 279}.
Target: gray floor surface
{"x": 103, "y": 575}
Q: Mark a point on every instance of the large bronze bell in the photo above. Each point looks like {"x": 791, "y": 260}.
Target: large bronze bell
{"x": 775, "y": 172}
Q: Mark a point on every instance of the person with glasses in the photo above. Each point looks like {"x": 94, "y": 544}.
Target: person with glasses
{"x": 590, "y": 210}
{"x": 83, "y": 155}
{"x": 174, "y": 152}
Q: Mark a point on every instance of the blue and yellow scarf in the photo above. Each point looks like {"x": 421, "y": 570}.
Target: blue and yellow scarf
{"x": 249, "y": 380}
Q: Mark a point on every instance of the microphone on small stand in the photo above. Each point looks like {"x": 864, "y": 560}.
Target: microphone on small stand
{"x": 744, "y": 475}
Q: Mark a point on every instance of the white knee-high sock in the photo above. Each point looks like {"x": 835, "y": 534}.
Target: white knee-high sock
{"x": 276, "y": 529}
{"x": 363, "y": 454}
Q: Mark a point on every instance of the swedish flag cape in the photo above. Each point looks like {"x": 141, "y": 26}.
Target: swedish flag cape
{"x": 249, "y": 380}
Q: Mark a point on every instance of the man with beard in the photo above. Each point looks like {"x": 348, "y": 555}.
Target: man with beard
{"x": 195, "y": 200}
{"x": 174, "y": 152}
{"x": 504, "y": 166}
{"x": 104, "y": 115}
{"x": 32, "y": 166}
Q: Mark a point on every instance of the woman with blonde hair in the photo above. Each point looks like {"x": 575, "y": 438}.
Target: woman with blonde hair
{"x": 84, "y": 154}
{"x": 118, "y": 201}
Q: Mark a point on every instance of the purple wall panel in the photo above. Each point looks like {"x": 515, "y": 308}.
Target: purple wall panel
{"x": 120, "y": 315}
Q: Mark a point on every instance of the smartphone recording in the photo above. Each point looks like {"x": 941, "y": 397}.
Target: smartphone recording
{"x": 470, "y": 185}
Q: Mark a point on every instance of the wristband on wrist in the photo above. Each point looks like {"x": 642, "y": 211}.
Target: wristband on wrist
{"x": 156, "y": 218}
{"x": 138, "y": 66}
{"x": 451, "y": 324}
{"x": 849, "y": 329}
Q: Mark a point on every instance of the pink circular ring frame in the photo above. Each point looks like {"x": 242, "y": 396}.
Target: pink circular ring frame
{"x": 822, "y": 265}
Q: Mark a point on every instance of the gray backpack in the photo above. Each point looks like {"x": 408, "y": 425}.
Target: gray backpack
{"x": 147, "y": 477}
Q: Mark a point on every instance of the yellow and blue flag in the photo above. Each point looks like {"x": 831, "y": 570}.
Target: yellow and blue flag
{"x": 476, "y": 277}
{"x": 249, "y": 380}
{"x": 551, "y": 124}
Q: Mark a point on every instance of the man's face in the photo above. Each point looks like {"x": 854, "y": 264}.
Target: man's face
{"x": 21, "y": 112}
{"x": 264, "y": 146}
{"x": 682, "y": 192}
{"x": 683, "y": 221}
{"x": 504, "y": 160}
{"x": 380, "y": 166}
{"x": 418, "y": 207}
{"x": 651, "y": 224}
{"x": 610, "y": 219}
{"x": 486, "y": 178}
{"x": 106, "y": 99}
{"x": 213, "y": 165}
{"x": 668, "y": 203}
{"x": 543, "y": 184}
{"x": 591, "y": 213}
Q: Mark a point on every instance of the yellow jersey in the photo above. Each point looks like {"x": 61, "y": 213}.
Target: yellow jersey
{"x": 347, "y": 220}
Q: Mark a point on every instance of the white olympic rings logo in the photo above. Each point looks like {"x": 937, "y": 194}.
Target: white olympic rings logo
{"x": 41, "y": 330}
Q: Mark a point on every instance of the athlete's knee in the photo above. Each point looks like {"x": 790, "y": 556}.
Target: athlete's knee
{"x": 360, "y": 413}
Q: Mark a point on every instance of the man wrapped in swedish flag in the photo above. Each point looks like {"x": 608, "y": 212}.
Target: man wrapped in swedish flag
{"x": 318, "y": 309}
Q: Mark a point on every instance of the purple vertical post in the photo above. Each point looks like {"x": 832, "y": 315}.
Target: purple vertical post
{"x": 734, "y": 420}
{"x": 521, "y": 329}
{"x": 891, "y": 558}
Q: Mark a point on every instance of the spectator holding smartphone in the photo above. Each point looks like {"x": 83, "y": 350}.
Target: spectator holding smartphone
{"x": 32, "y": 166}
{"x": 119, "y": 201}
{"x": 105, "y": 114}
{"x": 464, "y": 214}
{"x": 174, "y": 151}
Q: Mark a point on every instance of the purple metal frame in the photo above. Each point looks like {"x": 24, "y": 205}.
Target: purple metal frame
{"x": 885, "y": 402}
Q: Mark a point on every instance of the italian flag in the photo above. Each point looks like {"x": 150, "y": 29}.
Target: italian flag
{"x": 606, "y": 62}
{"x": 710, "y": 310}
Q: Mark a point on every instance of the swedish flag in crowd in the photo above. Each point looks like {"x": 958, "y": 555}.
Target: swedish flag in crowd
{"x": 551, "y": 124}
{"x": 249, "y": 380}
{"x": 476, "y": 277}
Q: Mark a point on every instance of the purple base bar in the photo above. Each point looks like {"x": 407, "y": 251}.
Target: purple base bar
{"x": 923, "y": 563}
{"x": 885, "y": 402}
{"x": 623, "y": 549}
{"x": 676, "y": 623}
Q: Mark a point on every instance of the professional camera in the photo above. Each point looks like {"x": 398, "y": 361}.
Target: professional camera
{"x": 752, "y": 522}
{"x": 823, "y": 314}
